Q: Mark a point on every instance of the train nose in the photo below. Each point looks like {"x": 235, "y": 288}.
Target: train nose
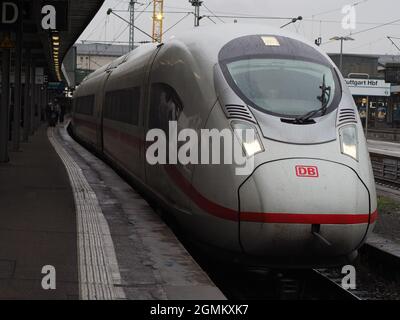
{"x": 303, "y": 208}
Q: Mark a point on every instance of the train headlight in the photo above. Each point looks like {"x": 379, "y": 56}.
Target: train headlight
{"x": 349, "y": 141}
{"x": 249, "y": 138}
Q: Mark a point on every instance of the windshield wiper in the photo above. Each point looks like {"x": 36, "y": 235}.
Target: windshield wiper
{"x": 324, "y": 98}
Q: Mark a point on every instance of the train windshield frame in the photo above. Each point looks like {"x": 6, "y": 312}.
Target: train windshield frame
{"x": 282, "y": 87}
{"x": 283, "y": 79}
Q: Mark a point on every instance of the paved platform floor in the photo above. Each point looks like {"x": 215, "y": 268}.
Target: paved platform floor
{"x": 383, "y": 147}
{"x": 37, "y": 224}
{"x": 62, "y": 206}
{"x": 152, "y": 263}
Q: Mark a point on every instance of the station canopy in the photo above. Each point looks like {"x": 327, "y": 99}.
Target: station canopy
{"x": 49, "y": 28}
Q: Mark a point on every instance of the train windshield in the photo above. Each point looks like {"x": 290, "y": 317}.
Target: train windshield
{"x": 283, "y": 87}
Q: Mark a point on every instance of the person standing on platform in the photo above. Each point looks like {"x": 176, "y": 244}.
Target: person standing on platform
{"x": 57, "y": 110}
{"x": 52, "y": 115}
{"x": 11, "y": 122}
{"x": 62, "y": 112}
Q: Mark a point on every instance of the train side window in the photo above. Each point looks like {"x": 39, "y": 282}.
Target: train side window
{"x": 165, "y": 106}
{"x": 123, "y": 105}
{"x": 85, "y": 105}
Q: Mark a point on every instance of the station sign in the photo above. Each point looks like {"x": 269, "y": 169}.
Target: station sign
{"x": 6, "y": 42}
{"x": 369, "y": 87}
{"x": 51, "y": 15}
{"x": 39, "y": 76}
{"x": 10, "y": 13}
{"x": 57, "y": 86}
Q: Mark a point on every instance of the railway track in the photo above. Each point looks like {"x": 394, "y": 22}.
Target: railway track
{"x": 334, "y": 278}
{"x": 374, "y": 281}
{"x": 386, "y": 170}
{"x": 370, "y": 284}
{"x": 244, "y": 284}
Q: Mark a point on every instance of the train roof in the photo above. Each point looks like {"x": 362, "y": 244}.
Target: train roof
{"x": 209, "y": 40}
{"x": 206, "y": 42}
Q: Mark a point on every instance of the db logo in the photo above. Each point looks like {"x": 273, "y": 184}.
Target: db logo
{"x": 307, "y": 172}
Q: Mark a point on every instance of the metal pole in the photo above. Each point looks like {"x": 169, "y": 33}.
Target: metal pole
{"x": 196, "y": 4}
{"x": 27, "y": 102}
{"x": 366, "y": 122}
{"x": 132, "y": 25}
{"x": 18, "y": 89}
{"x": 128, "y": 22}
{"x": 197, "y": 16}
{"x": 341, "y": 55}
{"x": 4, "y": 108}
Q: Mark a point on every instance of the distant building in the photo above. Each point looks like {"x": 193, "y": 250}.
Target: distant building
{"x": 90, "y": 57}
{"x": 376, "y": 94}
{"x": 356, "y": 63}
{"x": 95, "y": 55}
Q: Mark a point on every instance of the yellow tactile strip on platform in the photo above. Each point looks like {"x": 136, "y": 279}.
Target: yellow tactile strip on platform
{"x": 98, "y": 267}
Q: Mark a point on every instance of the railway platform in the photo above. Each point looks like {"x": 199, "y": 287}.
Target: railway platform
{"x": 385, "y": 161}
{"x": 37, "y": 224}
{"x": 384, "y": 147}
{"x": 62, "y": 207}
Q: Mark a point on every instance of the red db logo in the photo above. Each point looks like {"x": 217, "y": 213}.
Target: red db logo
{"x": 307, "y": 172}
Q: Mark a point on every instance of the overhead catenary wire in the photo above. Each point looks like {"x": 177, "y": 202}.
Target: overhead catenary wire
{"x": 114, "y": 39}
{"x": 249, "y": 17}
{"x": 374, "y": 41}
{"x": 101, "y": 21}
{"x": 376, "y": 27}
{"x": 312, "y": 20}
{"x": 129, "y": 24}
{"x": 124, "y": 29}
{"x": 340, "y": 21}
{"x": 150, "y": 11}
{"x": 174, "y": 25}
{"x": 338, "y": 9}
{"x": 216, "y": 12}
{"x": 224, "y": 16}
{"x": 394, "y": 43}
{"x": 367, "y": 30}
{"x": 209, "y": 10}
{"x": 143, "y": 11}
{"x": 209, "y": 18}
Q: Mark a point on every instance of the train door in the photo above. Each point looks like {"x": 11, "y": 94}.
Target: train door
{"x": 100, "y": 96}
{"x": 145, "y": 110}
{"x": 165, "y": 109}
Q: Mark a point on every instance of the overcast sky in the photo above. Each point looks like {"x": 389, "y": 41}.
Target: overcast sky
{"x": 321, "y": 18}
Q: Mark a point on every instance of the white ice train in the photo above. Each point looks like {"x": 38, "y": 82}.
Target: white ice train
{"x": 310, "y": 200}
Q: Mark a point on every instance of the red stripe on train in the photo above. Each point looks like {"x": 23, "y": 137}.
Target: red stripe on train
{"x": 201, "y": 201}
{"x": 86, "y": 123}
{"x": 124, "y": 137}
{"x": 284, "y": 218}
{"x": 232, "y": 215}
{"x": 308, "y": 218}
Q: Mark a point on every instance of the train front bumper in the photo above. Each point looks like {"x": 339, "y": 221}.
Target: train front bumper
{"x": 304, "y": 208}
